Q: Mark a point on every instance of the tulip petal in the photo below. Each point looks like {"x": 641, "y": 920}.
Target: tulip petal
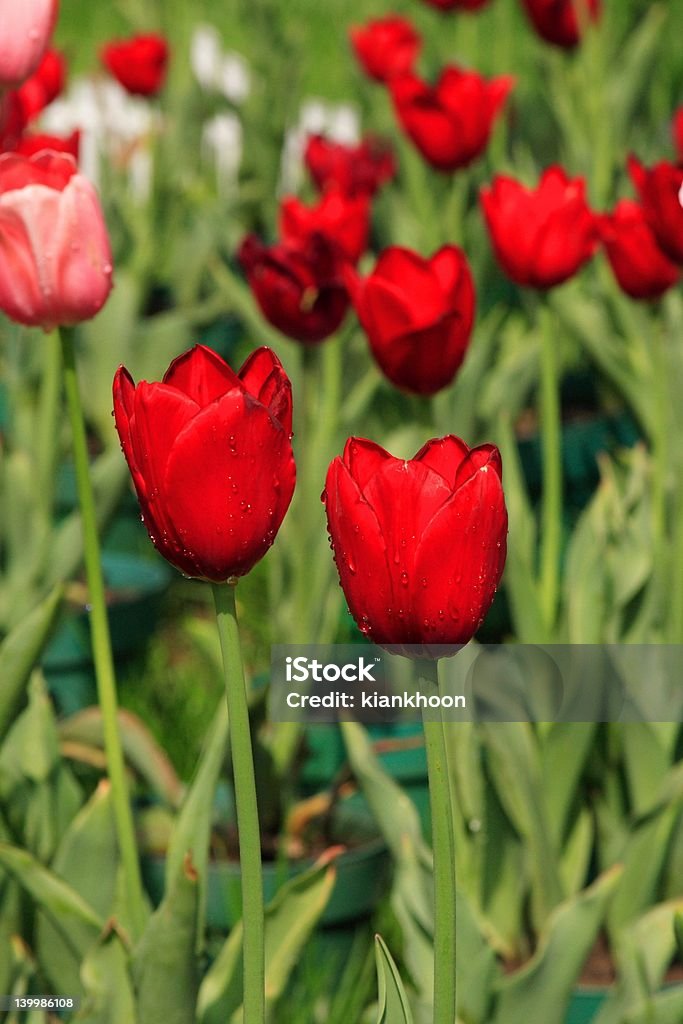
{"x": 460, "y": 560}
{"x": 405, "y": 496}
{"x": 444, "y": 455}
{"x": 363, "y": 459}
{"x": 486, "y": 455}
{"x": 201, "y": 374}
{"x": 228, "y": 483}
{"x": 20, "y": 293}
{"x": 359, "y": 551}
{"x": 263, "y": 375}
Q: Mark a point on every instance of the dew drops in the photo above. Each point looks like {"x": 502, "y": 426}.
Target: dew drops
{"x": 404, "y": 579}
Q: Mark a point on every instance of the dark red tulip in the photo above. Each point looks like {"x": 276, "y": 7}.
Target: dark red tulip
{"x": 661, "y": 196}
{"x": 139, "y": 63}
{"x": 457, "y": 5}
{"x": 343, "y": 220}
{"x": 385, "y": 46}
{"x": 299, "y": 287}
{"x": 420, "y": 545}
{"x": 211, "y": 458}
{"x": 29, "y": 145}
{"x": 559, "y": 21}
{"x": 450, "y": 122}
{"x": 44, "y": 85}
{"x": 355, "y": 170}
{"x": 541, "y": 236}
{"x": 642, "y": 269}
{"x": 418, "y": 315}
{"x": 12, "y": 121}
{"x": 677, "y": 133}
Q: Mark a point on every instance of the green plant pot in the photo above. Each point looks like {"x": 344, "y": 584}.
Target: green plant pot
{"x": 584, "y": 1005}
{"x": 135, "y": 589}
{"x": 361, "y": 879}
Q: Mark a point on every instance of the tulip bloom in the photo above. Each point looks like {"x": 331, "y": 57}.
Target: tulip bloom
{"x": 299, "y": 288}
{"x": 557, "y": 22}
{"x": 138, "y": 63}
{"x": 343, "y": 220}
{"x": 30, "y": 145}
{"x": 661, "y": 195}
{"x": 419, "y": 545}
{"x": 354, "y": 170}
{"x": 641, "y": 268}
{"x": 418, "y": 315}
{"x": 12, "y": 121}
{"x": 541, "y": 236}
{"x": 211, "y": 458}
{"x": 385, "y": 47}
{"x": 451, "y": 122}
{"x": 25, "y": 30}
{"x": 55, "y": 259}
{"x": 457, "y": 5}
{"x": 44, "y": 85}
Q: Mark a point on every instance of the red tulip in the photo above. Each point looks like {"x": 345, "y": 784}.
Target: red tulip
{"x": 354, "y": 170}
{"x": 677, "y": 133}
{"x": 343, "y": 220}
{"x": 661, "y": 195}
{"x": 560, "y": 21}
{"x": 25, "y": 30}
{"x": 211, "y": 458}
{"x": 44, "y": 85}
{"x": 540, "y": 236}
{"x": 12, "y": 121}
{"x": 55, "y": 259}
{"x": 385, "y": 46}
{"x": 30, "y": 145}
{"x": 457, "y": 5}
{"x": 418, "y": 315}
{"x": 299, "y": 288}
{"x": 420, "y": 545}
{"x": 450, "y": 122}
{"x": 641, "y": 268}
{"x": 138, "y": 63}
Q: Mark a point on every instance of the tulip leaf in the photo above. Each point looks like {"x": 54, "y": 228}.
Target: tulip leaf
{"x": 86, "y": 860}
{"x": 393, "y": 1002}
{"x": 643, "y": 859}
{"x": 412, "y": 888}
{"x": 193, "y": 824}
{"x": 109, "y": 997}
{"x": 142, "y": 752}
{"x": 20, "y": 651}
{"x": 541, "y": 989}
{"x": 164, "y": 965}
{"x": 77, "y": 923}
{"x": 515, "y": 765}
{"x": 109, "y": 477}
{"x": 642, "y": 953}
{"x": 290, "y": 919}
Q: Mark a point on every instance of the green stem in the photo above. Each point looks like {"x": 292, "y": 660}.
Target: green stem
{"x": 660, "y": 451}
{"x": 443, "y": 845}
{"x": 48, "y": 421}
{"x": 551, "y": 445}
{"x": 101, "y": 642}
{"x": 247, "y": 807}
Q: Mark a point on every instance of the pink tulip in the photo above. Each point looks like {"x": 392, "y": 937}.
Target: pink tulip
{"x": 25, "y": 30}
{"x": 55, "y": 259}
